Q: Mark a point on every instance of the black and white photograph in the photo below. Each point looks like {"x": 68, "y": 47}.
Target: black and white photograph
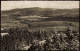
{"x": 40, "y": 25}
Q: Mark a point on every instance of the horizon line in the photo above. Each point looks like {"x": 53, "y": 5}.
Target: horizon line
{"x": 38, "y": 7}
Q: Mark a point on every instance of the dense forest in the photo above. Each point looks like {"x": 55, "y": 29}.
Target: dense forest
{"x": 19, "y": 38}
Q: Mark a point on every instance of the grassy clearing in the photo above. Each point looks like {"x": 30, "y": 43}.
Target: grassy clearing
{"x": 51, "y": 25}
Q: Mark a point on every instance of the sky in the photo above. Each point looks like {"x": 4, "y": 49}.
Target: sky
{"x": 8, "y": 5}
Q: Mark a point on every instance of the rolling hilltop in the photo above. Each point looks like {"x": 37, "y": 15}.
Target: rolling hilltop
{"x": 49, "y": 12}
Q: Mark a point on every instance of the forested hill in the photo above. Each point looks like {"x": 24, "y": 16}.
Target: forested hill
{"x": 48, "y": 12}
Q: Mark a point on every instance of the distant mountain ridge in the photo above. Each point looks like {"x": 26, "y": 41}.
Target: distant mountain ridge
{"x": 48, "y": 12}
{"x": 20, "y": 17}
